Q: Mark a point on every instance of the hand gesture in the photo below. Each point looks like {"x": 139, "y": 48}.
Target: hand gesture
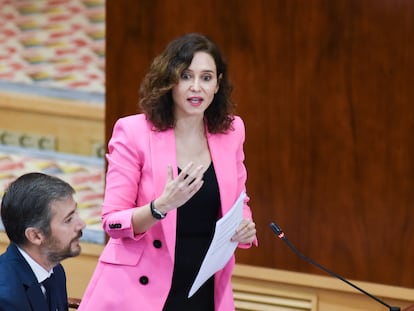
{"x": 179, "y": 190}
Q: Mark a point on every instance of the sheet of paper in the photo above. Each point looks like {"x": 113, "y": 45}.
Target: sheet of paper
{"x": 221, "y": 248}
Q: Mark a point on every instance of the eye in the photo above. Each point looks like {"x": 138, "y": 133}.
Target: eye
{"x": 71, "y": 217}
{"x": 185, "y": 75}
{"x": 207, "y": 77}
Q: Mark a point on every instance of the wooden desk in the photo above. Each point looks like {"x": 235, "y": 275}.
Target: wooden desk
{"x": 264, "y": 289}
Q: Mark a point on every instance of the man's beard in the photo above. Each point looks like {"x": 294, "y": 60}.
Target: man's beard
{"x": 56, "y": 254}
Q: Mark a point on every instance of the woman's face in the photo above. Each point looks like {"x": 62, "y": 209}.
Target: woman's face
{"x": 196, "y": 86}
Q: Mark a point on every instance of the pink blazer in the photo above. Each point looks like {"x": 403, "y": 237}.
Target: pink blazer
{"x": 134, "y": 272}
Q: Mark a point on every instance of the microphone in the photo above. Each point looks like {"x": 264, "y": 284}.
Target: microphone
{"x": 279, "y": 232}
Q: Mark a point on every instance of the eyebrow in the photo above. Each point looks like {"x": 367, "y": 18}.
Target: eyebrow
{"x": 203, "y": 71}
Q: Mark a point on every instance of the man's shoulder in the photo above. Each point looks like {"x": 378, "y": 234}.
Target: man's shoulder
{"x": 8, "y": 260}
{"x": 12, "y": 289}
{"x": 7, "y": 257}
{"x": 13, "y": 267}
{"x": 7, "y": 272}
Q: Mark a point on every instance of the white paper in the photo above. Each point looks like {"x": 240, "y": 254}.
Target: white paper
{"x": 221, "y": 248}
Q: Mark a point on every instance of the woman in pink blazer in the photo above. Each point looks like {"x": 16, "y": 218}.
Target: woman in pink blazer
{"x": 173, "y": 171}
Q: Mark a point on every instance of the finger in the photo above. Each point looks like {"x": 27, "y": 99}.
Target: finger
{"x": 247, "y": 237}
{"x": 191, "y": 188}
{"x": 198, "y": 175}
{"x": 192, "y": 176}
{"x": 196, "y": 186}
{"x": 185, "y": 171}
{"x": 245, "y": 231}
{"x": 243, "y": 226}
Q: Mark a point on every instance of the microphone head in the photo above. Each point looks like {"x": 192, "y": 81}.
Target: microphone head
{"x": 276, "y": 229}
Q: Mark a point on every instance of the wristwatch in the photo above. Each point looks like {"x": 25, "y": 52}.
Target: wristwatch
{"x": 156, "y": 213}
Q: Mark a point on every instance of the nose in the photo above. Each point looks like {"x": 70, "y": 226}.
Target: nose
{"x": 195, "y": 86}
{"x": 81, "y": 223}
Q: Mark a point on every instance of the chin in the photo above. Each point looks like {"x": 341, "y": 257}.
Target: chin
{"x": 75, "y": 250}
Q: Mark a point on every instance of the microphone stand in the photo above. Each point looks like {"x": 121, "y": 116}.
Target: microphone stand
{"x": 279, "y": 232}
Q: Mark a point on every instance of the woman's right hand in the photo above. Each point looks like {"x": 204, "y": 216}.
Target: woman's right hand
{"x": 179, "y": 190}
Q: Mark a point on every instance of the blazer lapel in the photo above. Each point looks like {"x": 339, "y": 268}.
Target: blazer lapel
{"x": 36, "y": 298}
{"x": 163, "y": 153}
{"x": 34, "y": 293}
{"x": 225, "y": 167}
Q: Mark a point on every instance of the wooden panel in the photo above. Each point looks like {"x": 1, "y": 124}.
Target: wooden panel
{"x": 77, "y": 126}
{"x": 255, "y": 300}
{"x": 304, "y": 291}
{"x": 260, "y": 289}
{"x": 325, "y": 89}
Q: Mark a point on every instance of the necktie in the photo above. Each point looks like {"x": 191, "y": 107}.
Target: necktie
{"x": 50, "y": 295}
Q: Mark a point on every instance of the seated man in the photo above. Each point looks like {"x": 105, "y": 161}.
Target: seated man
{"x": 41, "y": 220}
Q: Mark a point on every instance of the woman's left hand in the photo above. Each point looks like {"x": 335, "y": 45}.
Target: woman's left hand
{"x": 245, "y": 233}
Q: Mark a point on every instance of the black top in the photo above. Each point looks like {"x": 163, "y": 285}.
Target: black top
{"x": 196, "y": 221}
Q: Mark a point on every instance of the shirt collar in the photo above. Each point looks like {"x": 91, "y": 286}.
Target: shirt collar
{"x": 40, "y": 273}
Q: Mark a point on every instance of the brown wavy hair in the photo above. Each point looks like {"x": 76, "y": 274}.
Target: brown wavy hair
{"x": 156, "y": 88}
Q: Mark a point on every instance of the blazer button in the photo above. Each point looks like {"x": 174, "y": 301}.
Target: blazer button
{"x": 157, "y": 243}
{"x": 115, "y": 226}
{"x": 143, "y": 280}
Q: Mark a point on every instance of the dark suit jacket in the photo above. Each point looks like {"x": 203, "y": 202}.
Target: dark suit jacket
{"x": 19, "y": 288}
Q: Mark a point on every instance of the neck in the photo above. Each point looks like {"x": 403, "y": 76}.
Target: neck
{"x": 36, "y": 254}
{"x": 190, "y": 125}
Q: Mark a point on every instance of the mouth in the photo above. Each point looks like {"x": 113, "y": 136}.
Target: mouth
{"x": 77, "y": 239}
{"x": 195, "y": 101}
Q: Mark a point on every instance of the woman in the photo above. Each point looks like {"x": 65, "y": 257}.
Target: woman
{"x": 173, "y": 171}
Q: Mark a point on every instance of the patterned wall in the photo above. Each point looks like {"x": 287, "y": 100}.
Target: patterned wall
{"x": 49, "y": 45}
{"x": 86, "y": 175}
{"x": 53, "y": 43}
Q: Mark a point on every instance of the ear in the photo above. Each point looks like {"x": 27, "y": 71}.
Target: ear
{"x": 34, "y": 235}
{"x": 218, "y": 82}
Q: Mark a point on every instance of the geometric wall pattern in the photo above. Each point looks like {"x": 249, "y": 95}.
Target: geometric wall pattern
{"x": 56, "y": 45}
{"x": 86, "y": 175}
{"x": 53, "y": 43}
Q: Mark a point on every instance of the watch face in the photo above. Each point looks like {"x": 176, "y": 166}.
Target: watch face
{"x": 156, "y": 213}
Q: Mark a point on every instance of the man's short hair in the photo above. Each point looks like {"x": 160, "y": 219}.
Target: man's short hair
{"x": 26, "y": 203}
